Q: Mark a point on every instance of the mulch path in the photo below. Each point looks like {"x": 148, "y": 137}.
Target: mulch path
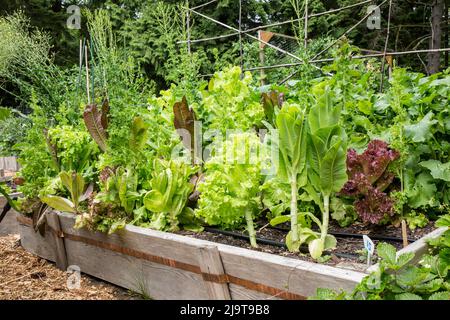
{"x": 24, "y": 276}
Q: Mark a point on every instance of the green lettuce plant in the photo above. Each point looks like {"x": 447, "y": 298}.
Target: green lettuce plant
{"x": 230, "y": 190}
{"x": 75, "y": 185}
{"x": 327, "y": 147}
{"x": 292, "y": 133}
{"x": 230, "y": 102}
{"x": 168, "y": 197}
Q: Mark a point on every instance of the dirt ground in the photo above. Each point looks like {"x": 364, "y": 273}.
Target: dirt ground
{"x": 24, "y": 276}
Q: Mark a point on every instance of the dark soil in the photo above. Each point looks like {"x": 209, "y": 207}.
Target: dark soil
{"x": 348, "y": 248}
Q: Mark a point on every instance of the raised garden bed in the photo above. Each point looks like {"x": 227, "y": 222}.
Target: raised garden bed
{"x": 172, "y": 266}
{"x": 9, "y": 224}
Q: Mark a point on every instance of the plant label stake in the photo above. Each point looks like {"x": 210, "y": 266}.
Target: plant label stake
{"x": 370, "y": 247}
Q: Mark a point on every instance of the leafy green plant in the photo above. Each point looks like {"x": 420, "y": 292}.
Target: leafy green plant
{"x": 230, "y": 190}
{"x": 369, "y": 178}
{"x": 272, "y": 101}
{"x": 292, "y": 133}
{"x": 327, "y": 145}
{"x": 97, "y": 123}
{"x": 167, "y": 199}
{"x": 121, "y": 188}
{"x": 75, "y": 185}
{"x": 229, "y": 102}
{"x": 396, "y": 279}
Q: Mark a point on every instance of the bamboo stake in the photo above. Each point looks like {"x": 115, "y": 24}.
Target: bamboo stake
{"x": 87, "y": 73}
{"x": 306, "y": 23}
{"x": 375, "y": 55}
{"x": 203, "y": 5}
{"x": 276, "y": 24}
{"x": 188, "y": 27}
{"x": 253, "y": 37}
{"x": 272, "y": 24}
{"x": 385, "y": 46}
{"x": 334, "y": 42}
{"x": 241, "y": 52}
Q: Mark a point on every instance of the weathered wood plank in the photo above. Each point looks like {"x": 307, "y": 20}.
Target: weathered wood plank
{"x": 154, "y": 280}
{"x": 57, "y": 238}
{"x": 33, "y": 242}
{"x": 211, "y": 263}
{"x": 295, "y": 276}
{"x": 9, "y": 225}
{"x": 164, "y": 244}
{"x": 240, "y": 293}
{"x": 9, "y": 164}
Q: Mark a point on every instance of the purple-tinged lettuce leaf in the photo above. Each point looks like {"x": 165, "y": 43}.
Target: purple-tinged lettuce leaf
{"x": 368, "y": 179}
{"x": 374, "y": 206}
{"x": 93, "y": 120}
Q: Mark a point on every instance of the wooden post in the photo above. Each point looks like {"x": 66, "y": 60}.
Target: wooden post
{"x": 265, "y": 36}
{"x": 391, "y": 65}
{"x": 434, "y": 58}
{"x": 404, "y": 234}
{"x": 261, "y": 59}
{"x": 211, "y": 264}
{"x": 57, "y": 235}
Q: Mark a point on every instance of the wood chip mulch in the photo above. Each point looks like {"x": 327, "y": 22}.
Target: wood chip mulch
{"x": 24, "y": 276}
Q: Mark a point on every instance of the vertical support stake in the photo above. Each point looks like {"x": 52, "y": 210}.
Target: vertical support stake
{"x": 57, "y": 235}
{"x": 211, "y": 264}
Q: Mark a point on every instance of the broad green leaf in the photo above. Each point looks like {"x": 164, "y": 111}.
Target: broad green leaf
{"x": 316, "y": 248}
{"x": 59, "y": 203}
{"x": 324, "y": 114}
{"x": 286, "y": 130}
{"x": 333, "y": 174}
{"x": 440, "y": 296}
{"x": 412, "y": 276}
{"x": 408, "y": 296}
{"x": 66, "y": 180}
{"x": 443, "y": 221}
{"x": 421, "y": 131}
{"x": 138, "y": 134}
{"x": 291, "y": 245}
{"x": 430, "y": 286}
{"x": 154, "y": 201}
{"x": 387, "y": 252}
{"x": 330, "y": 242}
{"x": 279, "y": 220}
{"x": 438, "y": 169}
{"x": 5, "y": 113}
{"x": 404, "y": 258}
{"x": 423, "y": 192}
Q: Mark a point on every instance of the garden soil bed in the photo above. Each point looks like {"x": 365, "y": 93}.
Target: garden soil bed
{"x": 347, "y": 251}
{"x": 24, "y": 276}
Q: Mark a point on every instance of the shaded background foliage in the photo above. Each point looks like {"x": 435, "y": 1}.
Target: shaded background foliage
{"x": 150, "y": 30}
